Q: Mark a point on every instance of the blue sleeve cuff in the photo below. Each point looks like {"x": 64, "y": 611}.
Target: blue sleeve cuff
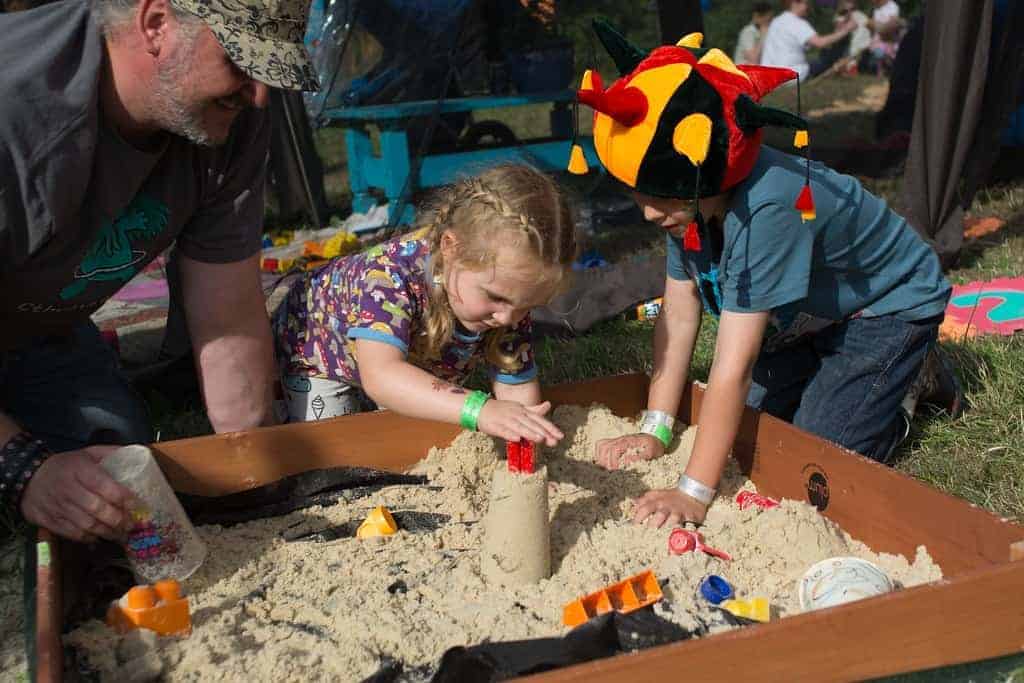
{"x": 374, "y": 335}
{"x": 522, "y": 378}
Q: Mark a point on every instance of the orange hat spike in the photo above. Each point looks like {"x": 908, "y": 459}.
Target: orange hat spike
{"x": 577, "y": 160}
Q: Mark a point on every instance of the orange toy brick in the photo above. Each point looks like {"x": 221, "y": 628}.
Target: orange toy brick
{"x": 160, "y": 608}
{"x": 625, "y": 596}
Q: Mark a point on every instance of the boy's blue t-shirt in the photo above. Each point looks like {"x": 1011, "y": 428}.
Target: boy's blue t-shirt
{"x": 857, "y": 257}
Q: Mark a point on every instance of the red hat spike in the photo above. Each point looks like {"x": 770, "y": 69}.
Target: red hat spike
{"x": 627, "y": 106}
{"x": 766, "y": 78}
{"x": 691, "y": 238}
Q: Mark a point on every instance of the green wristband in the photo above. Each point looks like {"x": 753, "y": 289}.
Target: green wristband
{"x": 663, "y": 434}
{"x": 471, "y": 409}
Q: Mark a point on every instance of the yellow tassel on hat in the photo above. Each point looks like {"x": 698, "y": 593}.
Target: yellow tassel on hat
{"x": 578, "y": 162}
{"x": 588, "y": 80}
{"x": 800, "y": 139}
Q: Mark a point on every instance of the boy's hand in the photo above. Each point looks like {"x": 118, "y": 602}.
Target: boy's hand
{"x": 672, "y": 506}
{"x": 621, "y": 451}
{"x": 513, "y": 421}
{"x": 72, "y": 496}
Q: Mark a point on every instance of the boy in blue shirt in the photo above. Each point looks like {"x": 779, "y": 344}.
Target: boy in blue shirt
{"x": 828, "y": 302}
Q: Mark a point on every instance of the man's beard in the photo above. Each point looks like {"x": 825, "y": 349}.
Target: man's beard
{"x": 169, "y": 105}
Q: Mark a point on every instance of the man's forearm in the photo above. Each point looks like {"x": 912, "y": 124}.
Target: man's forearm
{"x": 237, "y": 375}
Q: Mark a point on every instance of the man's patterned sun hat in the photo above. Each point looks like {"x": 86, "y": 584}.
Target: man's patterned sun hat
{"x": 262, "y": 37}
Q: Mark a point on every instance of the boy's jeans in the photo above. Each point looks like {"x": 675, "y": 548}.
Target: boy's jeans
{"x": 70, "y": 392}
{"x": 846, "y": 383}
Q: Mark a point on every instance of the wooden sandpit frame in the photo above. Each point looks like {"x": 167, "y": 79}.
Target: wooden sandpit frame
{"x": 976, "y": 612}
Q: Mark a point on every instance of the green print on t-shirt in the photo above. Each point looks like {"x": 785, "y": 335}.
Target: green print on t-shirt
{"x": 111, "y": 256}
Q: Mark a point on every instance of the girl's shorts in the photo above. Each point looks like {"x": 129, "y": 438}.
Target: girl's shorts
{"x": 308, "y": 399}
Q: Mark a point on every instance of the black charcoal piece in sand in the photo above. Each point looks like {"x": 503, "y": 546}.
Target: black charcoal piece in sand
{"x": 316, "y": 487}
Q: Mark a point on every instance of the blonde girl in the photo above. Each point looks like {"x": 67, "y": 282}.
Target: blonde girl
{"x": 405, "y": 323}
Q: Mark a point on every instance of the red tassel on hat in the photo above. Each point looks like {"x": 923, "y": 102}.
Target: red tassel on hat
{"x": 805, "y": 204}
{"x": 691, "y": 238}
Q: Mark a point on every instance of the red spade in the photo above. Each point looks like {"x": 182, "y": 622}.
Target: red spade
{"x": 684, "y": 541}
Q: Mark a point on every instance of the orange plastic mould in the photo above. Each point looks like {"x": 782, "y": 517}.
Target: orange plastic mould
{"x": 159, "y": 607}
{"x": 625, "y": 596}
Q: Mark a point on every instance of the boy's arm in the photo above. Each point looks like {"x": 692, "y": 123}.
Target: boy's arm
{"x": 736, "y": 350}
{"x": 404, "y": 388}
{"x": 675, "y": 335}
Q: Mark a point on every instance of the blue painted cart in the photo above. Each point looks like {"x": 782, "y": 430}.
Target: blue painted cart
{"x": 390, "y": 171}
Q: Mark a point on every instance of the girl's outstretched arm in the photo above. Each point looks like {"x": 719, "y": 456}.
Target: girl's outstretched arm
{"x": 404, "y": 388}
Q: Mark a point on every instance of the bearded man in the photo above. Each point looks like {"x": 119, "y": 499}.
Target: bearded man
{"x": 127, "y": 126}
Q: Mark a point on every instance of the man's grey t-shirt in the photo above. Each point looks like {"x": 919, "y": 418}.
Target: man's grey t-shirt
{"x": 857, "y": 257}
{"x": 81, "y": 210}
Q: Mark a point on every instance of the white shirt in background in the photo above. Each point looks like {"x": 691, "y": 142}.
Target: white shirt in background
{"x": 749, "y": 37}
{"x": 860, "y": 39}
{"x": 785, "y": 43}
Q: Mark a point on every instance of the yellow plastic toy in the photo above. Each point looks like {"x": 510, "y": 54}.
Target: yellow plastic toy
{"x": 378, "y": 523}
{"x": 625, "y": 596}
{"x": 755, "y": 609}
{"x": 160, "y": 608}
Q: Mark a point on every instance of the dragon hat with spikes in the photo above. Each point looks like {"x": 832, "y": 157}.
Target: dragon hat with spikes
{"x": 682, "y": 121}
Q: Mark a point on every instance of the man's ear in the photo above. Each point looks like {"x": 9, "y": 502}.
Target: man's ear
{"x": 152, "y": 22}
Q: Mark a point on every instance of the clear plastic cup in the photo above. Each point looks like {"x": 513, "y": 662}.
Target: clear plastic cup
{"x": 161, "y": 542}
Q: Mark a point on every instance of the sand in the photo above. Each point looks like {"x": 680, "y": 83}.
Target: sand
{"x": 266, "y": 609}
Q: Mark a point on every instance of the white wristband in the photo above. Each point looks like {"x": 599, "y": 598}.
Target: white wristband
{"x": 696, "y": 490}
{"x": 658, "y": 424}
{"x": 658, "y": 417}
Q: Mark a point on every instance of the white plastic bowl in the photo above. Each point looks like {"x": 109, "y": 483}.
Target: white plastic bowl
{"x": 838, "y": 580}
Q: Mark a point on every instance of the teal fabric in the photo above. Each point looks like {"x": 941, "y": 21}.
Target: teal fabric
{"x": 857, "y": 257}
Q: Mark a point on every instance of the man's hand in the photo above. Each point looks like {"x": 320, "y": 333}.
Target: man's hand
{"x": 613, "y": 454}
{"x": 72, "y": 496}
{"x": 513, "y": 421}
{"x": 671, "y": 506}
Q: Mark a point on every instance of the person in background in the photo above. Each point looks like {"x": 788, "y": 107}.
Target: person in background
{"x": 405, "y": 323}
{"x": 748, "y": 44}
{"x": 128, "y": 126}
{"x": 886, "y": 27}
{"x": 790, "y": 35}
{"x": 860, "y": 39}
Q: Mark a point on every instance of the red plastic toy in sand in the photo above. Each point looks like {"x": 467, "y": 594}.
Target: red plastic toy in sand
{"x": 684, "y": 541}
{"x": 520, "y": 456}
{"x": 747, "y": 499}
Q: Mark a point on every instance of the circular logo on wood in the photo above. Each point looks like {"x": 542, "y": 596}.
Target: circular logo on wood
{"x": 817, "y": 487}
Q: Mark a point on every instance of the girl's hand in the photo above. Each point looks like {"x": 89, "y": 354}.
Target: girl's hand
{"x": 619, "y": 452}
{"x": 513, "y": 421}
{"x": 672, "y": 506}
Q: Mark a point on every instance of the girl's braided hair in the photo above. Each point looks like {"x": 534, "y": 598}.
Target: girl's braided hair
{"x": 511, "y": 204}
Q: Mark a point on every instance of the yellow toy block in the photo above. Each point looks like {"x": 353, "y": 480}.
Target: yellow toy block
{"x": 378, "y": 523}
{"x": 755, "y": 609}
